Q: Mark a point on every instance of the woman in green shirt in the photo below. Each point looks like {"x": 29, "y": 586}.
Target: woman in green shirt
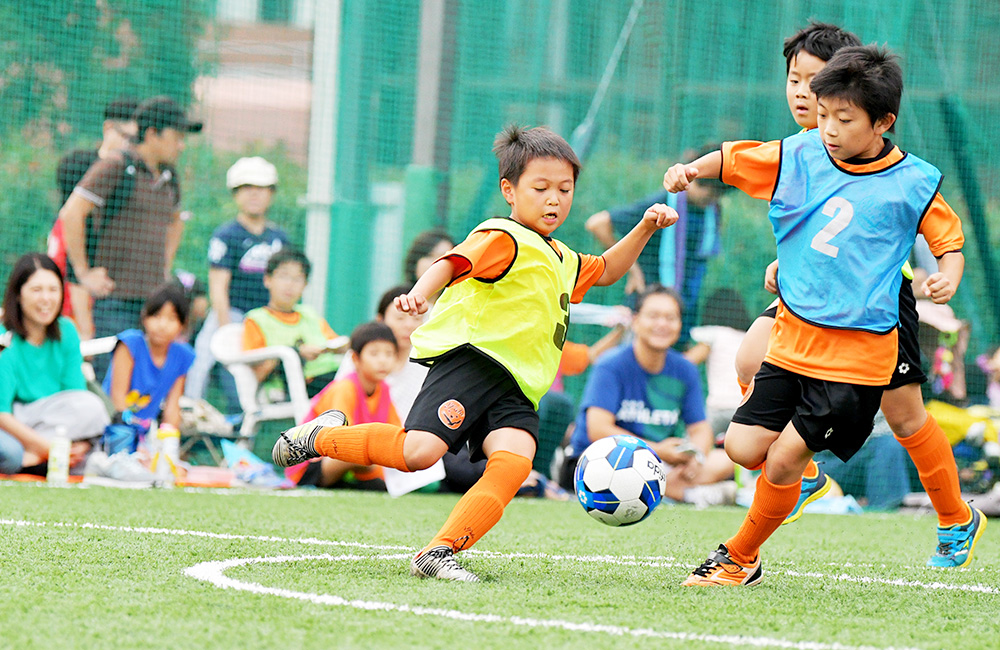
{"x": 42, "y": 388}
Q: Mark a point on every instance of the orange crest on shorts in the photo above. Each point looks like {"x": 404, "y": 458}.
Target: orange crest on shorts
{"x": 451, "y": 413}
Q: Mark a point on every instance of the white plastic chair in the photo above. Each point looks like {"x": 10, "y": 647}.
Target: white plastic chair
{"x": 227, "y": 348}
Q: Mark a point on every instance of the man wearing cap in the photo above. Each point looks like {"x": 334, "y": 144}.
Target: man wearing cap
{"x": 237, "y": 254}
{"x": 132, "y": 200}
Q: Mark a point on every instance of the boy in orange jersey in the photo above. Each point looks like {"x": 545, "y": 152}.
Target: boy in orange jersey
{"x": 493, "y": 344}
{"x": 845, "y": 204}
{"x": 806, "y": 53}
{"x": 363, "y": 393}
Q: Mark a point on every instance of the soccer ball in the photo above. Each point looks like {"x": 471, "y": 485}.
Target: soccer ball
{"x": 619, "y": 480}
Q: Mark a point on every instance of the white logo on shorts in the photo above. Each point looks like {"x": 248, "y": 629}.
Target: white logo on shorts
{"x": 904, "y": 368}
{"x": 828, "y": 432}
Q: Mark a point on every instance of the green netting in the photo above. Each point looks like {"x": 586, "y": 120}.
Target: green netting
{"x": 690, "y": 73}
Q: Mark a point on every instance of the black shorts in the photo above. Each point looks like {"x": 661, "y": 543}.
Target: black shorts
{"x": 771, "y": 312}
{"x": 827, "y": 414}
{"x": 465, "y": 397}
{"x": 908, "y": 369}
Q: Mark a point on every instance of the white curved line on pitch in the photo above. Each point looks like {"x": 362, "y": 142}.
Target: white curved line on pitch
{"x": 214, "y": 573}
{"x": 619, "y": 560}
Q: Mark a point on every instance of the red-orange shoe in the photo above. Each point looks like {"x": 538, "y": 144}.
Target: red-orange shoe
{"x": 720, "y": 570}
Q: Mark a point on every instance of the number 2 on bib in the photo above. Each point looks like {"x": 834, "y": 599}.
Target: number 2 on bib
{"x": 840, "y": 211}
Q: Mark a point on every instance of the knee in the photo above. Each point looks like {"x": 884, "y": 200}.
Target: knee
{"x": 11, "y": 454}
{"x": 420, "y": 452}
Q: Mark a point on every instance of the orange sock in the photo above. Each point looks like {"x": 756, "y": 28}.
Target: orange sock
{"x": 771, "y": 504}
{"x": 812, "y": 470}
{"x": 482, "y": 506}
{"x": 931, "y": 453}
{"x": 364, "y": 444}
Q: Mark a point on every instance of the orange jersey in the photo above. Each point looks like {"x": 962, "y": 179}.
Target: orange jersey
{"x": 253, "y": 337}
{"x": 342, "y": 395}
{"x": 841, "y": 355}
{"x": 575, "y": 358}
{"x": 487, "y": 255}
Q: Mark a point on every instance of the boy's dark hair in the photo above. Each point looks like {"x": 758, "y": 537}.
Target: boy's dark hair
{"x": 386, "y": 300}
{"x": 24, "y": 268}
{"x": 867, "y": 76}
{"x": 121, "y": 110}
{"x": 369, "y": 332}
{"x": 288, "y": 254}
{"x": 421, "y": 247}
{"x": 658, "y": 289}
{"x": 822, "y": 40}
{"x": 725, "y": 307}
{"x": 516, "y": 146}
{"x": 172, "y": 293}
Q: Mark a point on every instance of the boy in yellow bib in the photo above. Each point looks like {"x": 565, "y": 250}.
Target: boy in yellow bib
{"x": 493, "y": 344}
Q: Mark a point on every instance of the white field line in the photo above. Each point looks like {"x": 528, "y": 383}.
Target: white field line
{"x": 665, "y": 562}
{"x": 214, "y": 573}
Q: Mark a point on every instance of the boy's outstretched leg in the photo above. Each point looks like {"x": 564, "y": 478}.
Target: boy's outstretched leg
{"x": 480, "y": 509}
{"x": 329, "y": 435}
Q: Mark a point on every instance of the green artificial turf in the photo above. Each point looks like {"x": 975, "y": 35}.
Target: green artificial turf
{"x": 114, "y": 575}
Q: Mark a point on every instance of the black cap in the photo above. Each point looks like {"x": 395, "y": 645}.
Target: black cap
{"x": 163, "y": 113}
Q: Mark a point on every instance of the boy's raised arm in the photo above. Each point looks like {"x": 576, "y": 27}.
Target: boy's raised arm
{"x": 679, "y": 176}
{"x": 433, "y": 280}
{"x": 619, "y": 258}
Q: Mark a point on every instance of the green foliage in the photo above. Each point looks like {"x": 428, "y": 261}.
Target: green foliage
{"x": 30, "y": 201}
{"x": 62, "y": 61}
{"x": 829, "y": 581}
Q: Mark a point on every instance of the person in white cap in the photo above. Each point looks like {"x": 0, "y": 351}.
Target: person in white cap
{"x": 237, "y": 254}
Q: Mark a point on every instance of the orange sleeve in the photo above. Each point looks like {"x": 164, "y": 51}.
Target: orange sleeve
{"x": 485, "y": 254}
{"x": 575, "y": 358}
{"x": 752, "y": 166}
{"x": 591, "y": 270}
{"x": 339, "y": 395}
{"x": 328, "y": 332}
{"x": 253, "y": 337}
{"x": 942, "y": 228}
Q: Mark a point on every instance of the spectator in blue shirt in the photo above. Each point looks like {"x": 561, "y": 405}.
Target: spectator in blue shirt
{"x": 649, "y": 390}
{"x": 238, "y": 253}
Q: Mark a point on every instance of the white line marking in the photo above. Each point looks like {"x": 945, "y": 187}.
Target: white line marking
{"x": 214, "y": 573}
{"x": 664, "y": 562}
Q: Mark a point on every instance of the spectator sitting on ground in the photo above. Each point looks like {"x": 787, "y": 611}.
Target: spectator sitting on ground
{"x": 648, "y": 390}
{"x": 42, "y": 388}
{"x": 238, "y": 253}
{"x": 363, "y": 396}
{"x": 283, "y": 321}
{"x": 116, "y": 132}
{"x": 148, "y": 368}
{"x": 724, "y": 325}
{"x": 406, "y": 377}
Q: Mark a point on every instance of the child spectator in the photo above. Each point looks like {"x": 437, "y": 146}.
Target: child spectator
{"x": 492, "y": 343}
{"x": 363, "y": 394}
{"x": 237, "y": 254}
{"x": 406, "y": 377}
{"x": 834, "y": 345}
{"x": 42, "y": 388}
{"x": 285, "y": 322}
{"x": 148, "y": 367}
